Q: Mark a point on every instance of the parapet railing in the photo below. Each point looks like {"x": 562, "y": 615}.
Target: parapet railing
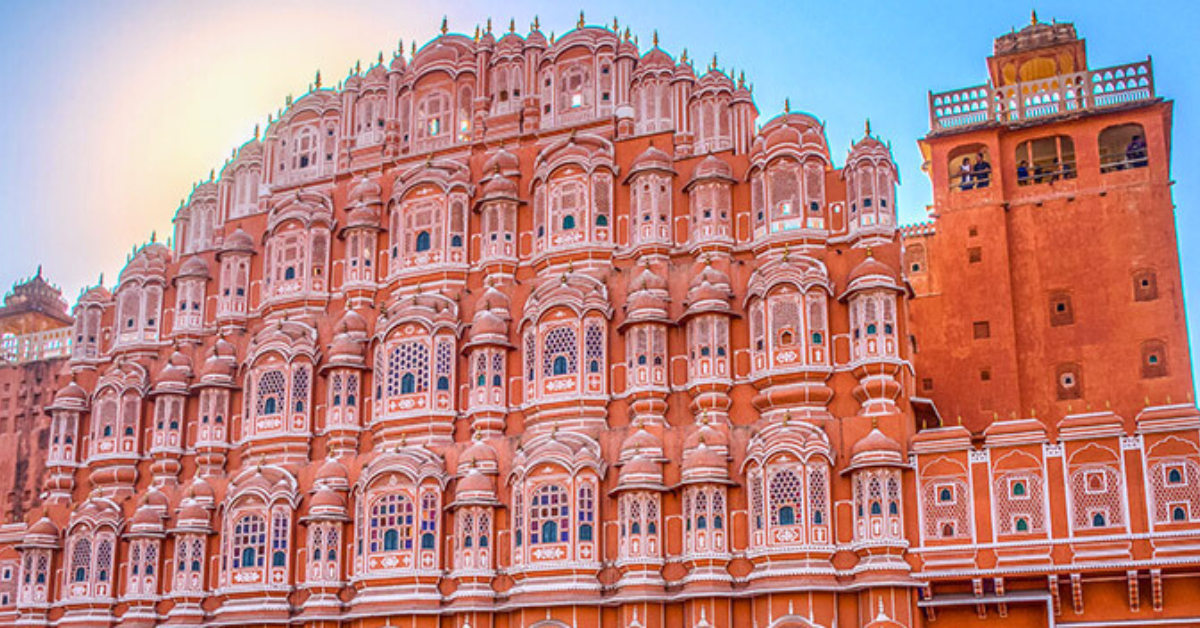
{"x": 1059, "y": 95}
{"x": 42, "y": 345}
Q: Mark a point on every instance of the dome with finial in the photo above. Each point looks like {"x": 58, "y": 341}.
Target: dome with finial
{"x": 96, "y": 294}
{"x": 500, "y": 188}
{"x": 327, "y": 503}
{"x": 71, "y": 397}
{"x": 173, "y": 378}
{"x": 365, "y": 192}
{"x": 488, "y": 327}
{"x": 641, "y": 472}
{"x": 714, "y": 80}
{"x": 474, "y": 487}
{"x": 501, "y": 162}
{"x": 479, "y": 455}
{"x": 789, "y": 132}
{"x": 704, "y": 464}
{"x": 220, "y": 366}
{"x": 651, "y": 160}
{"x": 146, "y": 521}
{"x": 192, "y": 515}
{"x": 640, "y": 442}
{"x": 348, "y": 348}
{"x": 44, "y": 533}
{"x": 149, "y": 262}
{"x": 194, "y": 266}
{"x": 655, "y": 61}
{"x": 872, "y": 273}
{"x": 876, "y": 449}
{"x": 711, "y": 168}
{"x": 364, "y": 203}
{"x": 201, "y": 491}
{"x": 709, "y": 291}
{"x": 332, "y": 474}
{"x": 237, "y": 242}
{"x": 497, "y": 301}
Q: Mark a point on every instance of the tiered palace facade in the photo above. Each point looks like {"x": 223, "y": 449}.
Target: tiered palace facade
{"x": 518, "y": 331}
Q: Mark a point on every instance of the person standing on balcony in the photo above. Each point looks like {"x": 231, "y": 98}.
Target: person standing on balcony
{"x": 982, "y": 171}
{"x": 1135, "y": 152}
{"x": 964, "y": 174}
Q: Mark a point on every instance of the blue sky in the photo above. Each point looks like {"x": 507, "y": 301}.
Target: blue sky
{"x": 113, "y": 110}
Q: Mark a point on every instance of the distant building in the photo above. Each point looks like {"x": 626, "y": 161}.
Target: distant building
{"x": 541, "y": 332}
{"x": 35, "y": 338}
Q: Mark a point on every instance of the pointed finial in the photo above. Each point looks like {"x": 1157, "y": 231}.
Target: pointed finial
{"x": 400, "y": 47}
{"x": 616, "y": 25}
{"x": 787, "y": 105}
{"x": 1033, "y": 17}
{"x": 379, "y": 59}
{"x": 256, "y": 130}
{"x": 489, "y": 25}
{"x": 512, "y": 24}
{"x": 317, "y": 81}
{"x": 476, "y": 32}
{"x": 153, "y": 239}
{"x": 211, "y": 173}
{"x": 445, "y": 25}
{"x": 358, "y": 66}
{"x": 714, "y": 62}
{"x": 741, "y": 79}
{"x": 655, "y": 39}
{"x": 537, "y": 24}
{"x": 288, "y": 100}
{"x": 626, "y": 34}
{"x": 580, "y": 24}
{"x": 551, "y": 37}
{"x": 867, "y": 128}
{"x": 683, "y": 57}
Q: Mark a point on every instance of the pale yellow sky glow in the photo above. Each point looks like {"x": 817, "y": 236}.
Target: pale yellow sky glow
{"x": 129, "y": 103}
{"x": 195, "y": 85}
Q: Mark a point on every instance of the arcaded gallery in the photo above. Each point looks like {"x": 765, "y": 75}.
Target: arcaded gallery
{"x": 522, "y": 331}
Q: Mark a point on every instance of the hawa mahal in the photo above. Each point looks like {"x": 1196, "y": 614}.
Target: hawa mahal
{"x": 526, "y": 332}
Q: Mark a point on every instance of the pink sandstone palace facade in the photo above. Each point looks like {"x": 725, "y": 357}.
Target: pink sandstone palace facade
{"x": 516, "y": 331}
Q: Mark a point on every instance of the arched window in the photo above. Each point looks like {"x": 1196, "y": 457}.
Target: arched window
{"x": 1022, "y": 524}
{"x": 1174, "y": 476}
{"x": 433, "y": 116}
{"x": 549, "y": 515}
{"x": 568, "y": 222}
{"x": 1123, "y": 147}
{"x": 422, "y": 241}
{"x": 784, "y": 489}
{"x": 1098, "y": 520}
{"x": 408, "y": 384}
{"x": 1178, "y": 514}
{"x": 970, "y": 167}
{"x": 1018, "y": 489}
{"x": 391, "y": 524}
{"x": 1045, "y": 160}
{"x": 81, "y": 559}
{"x": 249, "y": 541}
